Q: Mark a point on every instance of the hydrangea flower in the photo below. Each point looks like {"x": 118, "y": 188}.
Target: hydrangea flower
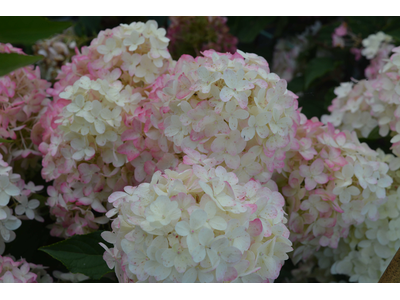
{"x": 369, "y": 247}
{"x": 15, "y": 193}
{"x": 158, "y": 238}
{"x": 20, "y": 271}
{"x": 373, "y": 43}
{"x": 332, "y": 190}
{"x": 242, "y": 104}
{"x": 370, "y": 103}
{"x": 95, "y": 129}
{"x": 23, "y": 100}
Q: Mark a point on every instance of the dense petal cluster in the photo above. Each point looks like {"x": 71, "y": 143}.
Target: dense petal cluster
{"x": 16, "y": 203}
{"x": 332, "y": 182}
{"x": 190, "y": 35}
{"x": 377, "y": 48}
{"x": 20, "y": 271}
{"x": 23, "y": 99}
{"x": 138, "y": 50}
{"x": 197, "y": 224}
{"x": 369, "y": 246}
{"x": 229, "y": 108}
{"x": 370, "y": 103}
{"x": 373, "y": 43}
{"x": 89, "y": 156}
{"x": 89, "y": 146}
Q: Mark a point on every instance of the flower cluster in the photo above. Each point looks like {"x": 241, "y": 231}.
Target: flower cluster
{"x": 338, "y": 34}
{"x": 229, "y": 108}
{"x": 22, "y": 100}
{"x": 377, "y": 48}
{"x": 369, "y": 246}
{"x": 197, "y": 224}
{"x": 15, "y": 203}
{"x": 373, "y": 43}
{"x": 190, "y": 35}
{"x": 20, "y": 271}
{"x": 88, "y": 145}
{"x": 69, "y": 277}
{"x": 332, "y": 182}
{"x": 57, "y": 51}
{"x": 370, "y": 103}
{"x": 284, "y": 60}
{"x": 136, "y": 52}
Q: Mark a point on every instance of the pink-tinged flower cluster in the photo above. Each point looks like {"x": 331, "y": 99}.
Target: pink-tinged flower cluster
{"x": 22, "y": 100}
{"x": 286, "y": 52}
{"x": 338, "y": 34}
{"x": 370, "y": 103}
{"x": 138, "y": 50}
{"x": 369, "y": 246}
{"x": 377, "y": 48}
{"x": 188, "y": 34}
{"x": 332, "y": 182}
{"x": 16, "y": 203}
{"x": 91, "y": 154}
{"x": 96, "y": 136}
{"x": 197, "y": 224}
{"x": 20, "y": 271}
{"x": 373, "y": 43}
{"x": 229, "y": 108}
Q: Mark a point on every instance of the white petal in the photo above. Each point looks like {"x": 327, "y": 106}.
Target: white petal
{"x": 12, "y": 190}
{"x": 205, "y": 236}
{"x": 230, "y": 78}
{"x": 182, "y": 228}
{"x": 168, "y": 257}
{"x": 197, "y": 219}
{"x": 198, "y": 253}
{"x": 218, "y": 223}
{"x": 190, "y": 276}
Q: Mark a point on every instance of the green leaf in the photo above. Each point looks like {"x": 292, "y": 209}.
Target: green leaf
{"x": 81, "y": 254}
{"x": 296, "y": 85}
{"x": 13, "y": 61}
{"x": 246, "y": 29}
{"x": 395, "y": 34}
{"x": 27, "y": 30}
{"x": 4, "y": 140}
{"x": 317, "y": 68}
{"x": 42, "y": 199}
{"x": 374, "y": 134}
{"x": 88, "y": 26}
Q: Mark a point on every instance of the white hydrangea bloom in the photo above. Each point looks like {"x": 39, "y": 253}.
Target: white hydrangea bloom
{"x": 197, "y": 225}
{"x": 373, "y": 42}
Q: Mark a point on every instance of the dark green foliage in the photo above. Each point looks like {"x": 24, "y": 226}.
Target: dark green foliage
{"x": 81, "y": 254}
{"x": 27, "y": 30}
{"x": 12, "y": 61}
